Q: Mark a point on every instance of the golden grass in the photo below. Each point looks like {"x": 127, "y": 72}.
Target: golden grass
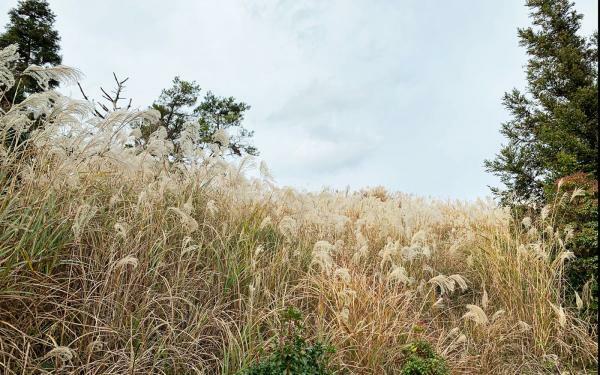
{"x": 114, "y": 260}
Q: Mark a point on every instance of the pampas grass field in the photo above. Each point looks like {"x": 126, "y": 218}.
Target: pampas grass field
{"x": 115, "y": 259}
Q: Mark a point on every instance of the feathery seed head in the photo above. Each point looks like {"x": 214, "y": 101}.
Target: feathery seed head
{"x": 129, "y": 260}
{"x": 445, "y": 284}
{"x": 59, "y": 73}
{"x": 265, "y": 222}
{"x": 360, "y": 254}
{"x": 461, "y": 339}
{"x": 560, "y": 314}
{"x": 221, "y": 137}
{"x": 545, "y": 212}
{"x": 189, "y": 223}
{"x": 578, "y": 301}
{"x": 288, "y": 227}
{"x": 84, "y": 214}
{"x": 578, "y": 192}
{"x": 121, "y": 230}
{"x": 460, "y": 281}
{"x": 342, "y": 274}
{"x": 398, "y": 274}
{"x": 476, "y": 314}
{"x": 523, "y": 327}
{"x": 321, "y": 256}
{"x": 61, "y": 352}
{"x": 345, "y": 314}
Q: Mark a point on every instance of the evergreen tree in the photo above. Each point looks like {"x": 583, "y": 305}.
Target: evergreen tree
{"x": 226, "y": 113}
{"x": 31, "y": 27}
{"x": 177, "y": 106}
{"x": 554, "y": 127}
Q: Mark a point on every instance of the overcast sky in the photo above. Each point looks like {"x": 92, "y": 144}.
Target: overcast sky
{"x": 404, "y": 94}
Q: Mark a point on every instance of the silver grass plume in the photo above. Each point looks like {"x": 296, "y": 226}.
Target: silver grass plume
{"x": 399, "y": 274}
{"x": 60, "y": 73}
{"x": 129, "y": 260}
{"x": 476, "y": 314}
{"x": 342, "y": 274}
{"x": 188, "y": 222}
{"x": 321, "y": 256}
{"x": 560, "y": 314}
{"x": 8, "y": 56}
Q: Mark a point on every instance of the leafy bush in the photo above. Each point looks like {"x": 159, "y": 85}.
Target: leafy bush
{"x": 579, "y": 273}
{"x": 294, "y": 355}
{"x": 422, "y": 360}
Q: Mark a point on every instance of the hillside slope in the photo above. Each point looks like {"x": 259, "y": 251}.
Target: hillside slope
{"x": 114, "y": 259}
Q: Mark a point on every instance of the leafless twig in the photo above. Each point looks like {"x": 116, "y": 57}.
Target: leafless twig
{"x": 112, "y": 98}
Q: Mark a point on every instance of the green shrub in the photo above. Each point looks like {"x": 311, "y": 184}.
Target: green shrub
{"x": 422, "y": 360}
{"x": 579, "y": 272}
{"x": 294, "y": 355}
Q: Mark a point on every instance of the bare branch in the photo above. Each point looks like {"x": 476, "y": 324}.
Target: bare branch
{"x": 106, "y": 95}
{"x": 112, "y": 98}
{"x": 82, "y": 92}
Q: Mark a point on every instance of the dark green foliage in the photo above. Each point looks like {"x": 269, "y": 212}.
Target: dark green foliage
{"x": 579, "y": 272}
{"x": 224, "y": 113}
{"x": 579, "y": 214}
{"x": 174, "y": 105}
{"x": 31, "y": 27}
{"x": 422, "y": 360}
{"x": 177, "y": 106}
{"x": 554, "y": 127}
{"x": 294, "y": 355}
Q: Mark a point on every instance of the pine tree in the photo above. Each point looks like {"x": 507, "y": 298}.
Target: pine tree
{"x": 225, "y": 113}
{"x": 31, "y": 27}
{"x": 178, "y": 109}
{"x": 554, "y": 127}
{"x": 175, "y": 105}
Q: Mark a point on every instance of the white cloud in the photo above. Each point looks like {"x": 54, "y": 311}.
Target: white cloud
{"x": 400, "y": 93}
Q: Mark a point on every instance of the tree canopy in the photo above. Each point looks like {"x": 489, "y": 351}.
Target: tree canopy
{"x": 31, "y": 28}
{"x": 179, "y": 111}
{"x": 554, "y": 127}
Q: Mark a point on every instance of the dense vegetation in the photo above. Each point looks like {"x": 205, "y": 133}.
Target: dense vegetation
{"x": 553, "y": 133}
{"x": 132, "y": 242}
{"x": 31, "y": 28}
{"x": 117, "y": 259}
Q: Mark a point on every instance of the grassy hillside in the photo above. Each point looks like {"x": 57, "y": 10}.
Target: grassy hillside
{"x": 115, "y": 260}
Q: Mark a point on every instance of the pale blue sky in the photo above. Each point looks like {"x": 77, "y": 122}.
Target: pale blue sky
{"x": 404, "y": 94}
